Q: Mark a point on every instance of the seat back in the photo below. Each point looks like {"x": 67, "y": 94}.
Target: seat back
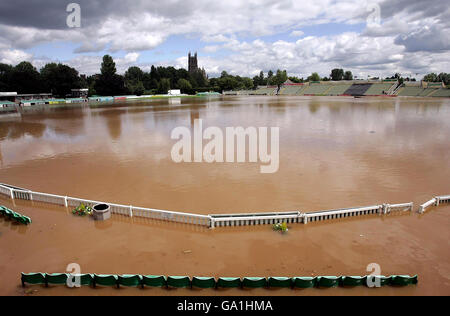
{"x": 229, "y": 282}
{"x": 178, "y": 281}
{"x": 204, "y": 282}
{"x": 105, "y": 279}
{"x": 130, "y": 280}
{"x": 304, "y": 282}
{"x": 56, "y": 278}
{"x": 33, "y": 278}
{"x": 252, "y": 282}
{"x": 280, "y": 282}
{"x": 154, "y": 280}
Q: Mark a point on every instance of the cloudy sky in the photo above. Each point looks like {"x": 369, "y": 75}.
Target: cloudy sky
{"x": 376, "y": 37}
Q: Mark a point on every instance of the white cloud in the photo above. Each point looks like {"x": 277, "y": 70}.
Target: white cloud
{"x": 14, "y": 56}
{"x": 408, "y": 29}
{"x": 297, "y": 33}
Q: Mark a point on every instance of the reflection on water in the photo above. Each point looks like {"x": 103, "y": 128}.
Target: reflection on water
{"x": 334, "y": 152}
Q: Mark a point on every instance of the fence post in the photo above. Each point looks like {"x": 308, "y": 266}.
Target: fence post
{"x": 131, "y": 211}
{"x": 30, "y": 193}
{"x": 65, "y": 201}
{"x": 12, "y": 193}
{"x": 437, "y": 200}
{"x": 212, "y": 223}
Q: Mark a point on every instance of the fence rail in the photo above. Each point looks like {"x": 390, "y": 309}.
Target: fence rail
{"x": 218, "y": 220}
{"x": 436, "y": 201}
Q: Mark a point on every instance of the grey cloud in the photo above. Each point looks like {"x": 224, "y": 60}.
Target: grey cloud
{"x": 415, "y": 9}
{"x": 431, "y": 39}
{"x": 51, "y": 14}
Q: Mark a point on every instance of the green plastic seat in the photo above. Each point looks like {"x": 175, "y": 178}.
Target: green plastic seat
{"x": 33, "y": 278}
{"x": 129, "y": 280}
{"x": 328, "y": 281}
{"x": 178, "y": 281}
{"x": 25, "y": 220}
{"x": 56, "y": 278}
{"x": 204, "y": 282}
{"x": 304, "y": 282}
{"x": 7, "y": 212}
{"x": 154, "y": 280}
{"x": 252, "y": 282}
{"x": 353, "y": 280}
{"x": 16, "y": 217}
{"x": 229, "y": 282}
{"x": 383, "y": 280}
{"x": 280, "y": 282}
{"x": 2, "y": 210}
{"x": 105, "y": 279}
{"x": 403, "y": 280}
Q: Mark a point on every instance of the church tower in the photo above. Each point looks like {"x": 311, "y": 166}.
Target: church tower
{"x": 192, "y": 63}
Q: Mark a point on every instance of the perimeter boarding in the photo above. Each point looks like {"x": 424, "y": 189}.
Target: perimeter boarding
{"x": 217, "y": 220}
{"x": 136, "y": 280}
{"x": 18, "y": 218}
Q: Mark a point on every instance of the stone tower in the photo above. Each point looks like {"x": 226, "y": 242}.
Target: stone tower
{"x": 192, "y": 63}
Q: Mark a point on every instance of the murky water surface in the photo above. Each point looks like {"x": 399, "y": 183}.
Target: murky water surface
{"x": 334, "y": 152}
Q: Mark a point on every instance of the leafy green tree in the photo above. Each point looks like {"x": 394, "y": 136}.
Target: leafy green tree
{"x": 348, "y": 75}
{"x": 296, "y": 79}
{"x": 337, "y": 74}
{"x": 184, "y": 85}
{"x": 314, "y": 77}
{"x": 59, "y": 79}
{"x": 133, "y": 80}
{"x": 109, "y": 83}
{"x": 5, "y": 77}
{"x": 108, "y": 68}
{"x": 25, "y": 78}
{"x": 444, "y": 77}
{"x": 279, "y": 78}
{"x": 164, "y": 86}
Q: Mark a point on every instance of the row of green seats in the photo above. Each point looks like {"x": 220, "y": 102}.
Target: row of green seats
{"x": 210, "y": 282}
{"x": 4, "y": 211}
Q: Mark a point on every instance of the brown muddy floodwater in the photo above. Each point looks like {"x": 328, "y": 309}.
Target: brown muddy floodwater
{"x": 334, "y": 152}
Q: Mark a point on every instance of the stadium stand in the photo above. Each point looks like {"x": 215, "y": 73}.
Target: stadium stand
{"x": 357, "y": 89}
{"x": 444, "y": 92}
{"x": 338, "y": 89}
{"x": 316, "y": 89}
{"x": 426, "y": 92}
{"x": 291, "y": 90}
{"x": 379, "y": 88}
{"x": 265, "y": 91}
{"x": 409, "y": 91}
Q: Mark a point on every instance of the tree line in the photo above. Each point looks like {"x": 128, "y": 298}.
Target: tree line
{"x": 59, "y": 79}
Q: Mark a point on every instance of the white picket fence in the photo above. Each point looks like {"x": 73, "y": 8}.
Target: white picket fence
{"x": 434, "y": 202}
{"x": 127, "y": 210}
{"x": 217, "y": 220}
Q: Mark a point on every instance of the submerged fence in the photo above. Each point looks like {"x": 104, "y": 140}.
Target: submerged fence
{"x": 218, "y": 220}
{"x": 434, "y": 202}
